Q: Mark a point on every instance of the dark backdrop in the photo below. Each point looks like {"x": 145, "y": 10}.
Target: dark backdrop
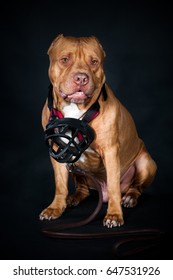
{"x": 139, "y": 47}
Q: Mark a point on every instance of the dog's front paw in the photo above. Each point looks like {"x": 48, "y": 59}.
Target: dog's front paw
{"x": 51, "y": 213}
{"x": 113, "y": 220}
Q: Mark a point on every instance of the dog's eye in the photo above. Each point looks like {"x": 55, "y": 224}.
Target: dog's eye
{"x": 64, "y": 60}
{"x": 94, "y": 62}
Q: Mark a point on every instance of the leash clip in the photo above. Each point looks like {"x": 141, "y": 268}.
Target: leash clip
{"x": 70, "y": 167}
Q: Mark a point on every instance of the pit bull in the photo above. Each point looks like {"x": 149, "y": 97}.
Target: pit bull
{"x": 117, "y": 158}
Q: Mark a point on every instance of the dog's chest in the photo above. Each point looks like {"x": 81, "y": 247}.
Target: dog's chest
{"x": 72, "y": 111}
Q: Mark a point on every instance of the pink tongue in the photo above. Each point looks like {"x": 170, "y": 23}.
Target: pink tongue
{"x": 77, "y": 95}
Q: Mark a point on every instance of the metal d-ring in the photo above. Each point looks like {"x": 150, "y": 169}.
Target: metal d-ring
{"x": 70, "y": 167}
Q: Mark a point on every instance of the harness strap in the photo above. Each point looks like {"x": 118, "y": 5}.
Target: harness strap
{"x": 50, "y": 97}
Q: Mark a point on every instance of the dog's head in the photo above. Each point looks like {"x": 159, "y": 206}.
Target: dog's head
{"x": 76, "y": 68}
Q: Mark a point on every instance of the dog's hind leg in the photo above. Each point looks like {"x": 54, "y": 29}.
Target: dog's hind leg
{"x": 81, "y": 192}
{"x": 144, "y": 169}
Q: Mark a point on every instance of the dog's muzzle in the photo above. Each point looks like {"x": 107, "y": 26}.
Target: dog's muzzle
{"x": 68, "y": 138}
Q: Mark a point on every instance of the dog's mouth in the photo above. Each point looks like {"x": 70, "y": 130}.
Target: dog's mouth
{"x": 75, "y": 97}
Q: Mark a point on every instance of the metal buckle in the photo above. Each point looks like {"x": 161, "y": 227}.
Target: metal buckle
{"x": 70, "y": 167}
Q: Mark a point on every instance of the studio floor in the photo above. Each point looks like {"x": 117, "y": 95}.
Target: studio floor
{"x": 22, "y": 237}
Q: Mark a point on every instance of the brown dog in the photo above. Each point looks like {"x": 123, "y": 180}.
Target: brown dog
{"x": 117, "y": 158}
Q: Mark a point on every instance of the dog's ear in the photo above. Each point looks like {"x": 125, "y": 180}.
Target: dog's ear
{"x": 104, "y": 54}
{"x": 100, "y": 45}
{"x": 54, "y": 41}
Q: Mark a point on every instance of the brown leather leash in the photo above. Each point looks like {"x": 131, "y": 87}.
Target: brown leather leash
{"x": 149, "y": 236}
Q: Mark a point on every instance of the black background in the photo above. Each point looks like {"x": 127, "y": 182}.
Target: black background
{"x": 138, "y": 43}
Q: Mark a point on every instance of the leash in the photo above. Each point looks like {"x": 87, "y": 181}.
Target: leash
{"x": 56, "y": 129}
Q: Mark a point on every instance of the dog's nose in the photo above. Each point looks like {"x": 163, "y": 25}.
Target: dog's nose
{"x": 81, "y": 79}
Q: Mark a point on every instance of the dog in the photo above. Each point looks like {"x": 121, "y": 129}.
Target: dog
{"x": 117, "y": 158}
